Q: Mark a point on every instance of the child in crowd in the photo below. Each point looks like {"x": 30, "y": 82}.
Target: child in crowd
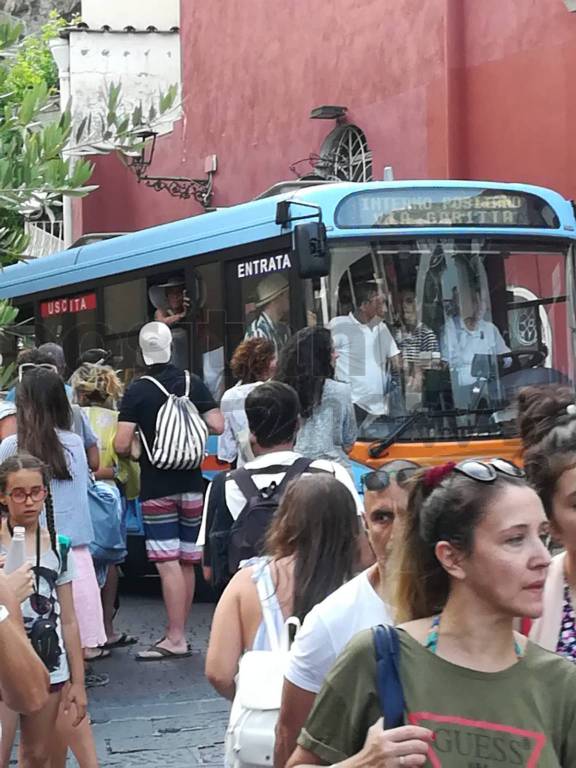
{"x": 48, "y": 613}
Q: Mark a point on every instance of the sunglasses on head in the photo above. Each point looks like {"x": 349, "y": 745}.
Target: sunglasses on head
{"x": 25, "y": 368}
{"x": 486, "y": 471}
{"x": 380, "y": 479}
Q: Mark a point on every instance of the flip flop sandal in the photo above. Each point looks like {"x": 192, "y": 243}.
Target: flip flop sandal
{"x": 124, "y": 640}
{"x": 156, "y": 653}
{"x": 103, "y": 653}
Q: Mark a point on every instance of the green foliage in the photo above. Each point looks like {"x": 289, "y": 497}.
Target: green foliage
{"x": 8, "y": 315}
{"x": 40, "y": 163}
{"x": 33, "y": 63}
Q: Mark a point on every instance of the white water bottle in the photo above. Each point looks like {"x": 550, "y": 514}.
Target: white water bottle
{"x": 17, "y": 551}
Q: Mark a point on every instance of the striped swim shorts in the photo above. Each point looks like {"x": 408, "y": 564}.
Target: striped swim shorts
{"x": 171, "y": 526}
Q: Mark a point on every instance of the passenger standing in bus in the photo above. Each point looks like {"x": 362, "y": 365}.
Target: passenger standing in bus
{"x": 171, "y": 498}
{"x": 253, "y": 362}
{"x": 172, "y": 306}
{"x": 273, "y": 305}
{"x": 417, "y": 344}
{"x": 366, "y": 352}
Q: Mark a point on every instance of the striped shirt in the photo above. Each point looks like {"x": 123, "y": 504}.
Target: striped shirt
{"x": 264, "y": 327}
{"x": 413, "y": 343}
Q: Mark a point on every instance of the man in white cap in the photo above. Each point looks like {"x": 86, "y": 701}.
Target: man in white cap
{"x": 172, "y": 499}
{"x": 273, "y": 303}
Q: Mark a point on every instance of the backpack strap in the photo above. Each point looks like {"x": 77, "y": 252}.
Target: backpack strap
{"x": 298, "y": 468}
{"x": 161, "y": 387}
{"x": 244, "y": 481}
{"x": 266, "y": 591}
{"x": 390, "y": 691}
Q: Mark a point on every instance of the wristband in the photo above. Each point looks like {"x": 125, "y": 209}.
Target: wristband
{"x": 4, "y": 613}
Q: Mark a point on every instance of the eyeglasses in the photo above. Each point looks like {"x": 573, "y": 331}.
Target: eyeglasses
{"x": 27, "y": 367}
{"x": 487, "y": 471}
{"x": 380, "y": 479}
{"x": 21, "y": 495}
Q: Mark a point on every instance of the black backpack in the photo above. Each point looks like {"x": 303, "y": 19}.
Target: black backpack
{"x": 249, "y": 529}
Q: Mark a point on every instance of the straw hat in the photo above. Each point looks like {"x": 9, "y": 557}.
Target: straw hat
{"x": 157, "y": 293}
{"x": 269, "y": 289}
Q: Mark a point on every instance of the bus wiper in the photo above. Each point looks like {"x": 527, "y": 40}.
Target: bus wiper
{"x": 377, "y": 449}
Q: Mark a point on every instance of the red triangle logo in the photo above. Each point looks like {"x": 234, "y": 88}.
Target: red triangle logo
{"x": 480, "y": 743}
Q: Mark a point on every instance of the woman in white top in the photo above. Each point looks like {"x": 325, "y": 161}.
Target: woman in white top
{"x": 253, "y": 362}
{"x": 312, "y": 549}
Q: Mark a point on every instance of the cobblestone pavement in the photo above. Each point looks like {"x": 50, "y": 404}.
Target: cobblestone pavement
{"x": 160, "y": 713}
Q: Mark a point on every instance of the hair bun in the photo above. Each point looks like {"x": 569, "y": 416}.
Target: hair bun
{"x": 541, "y": 409}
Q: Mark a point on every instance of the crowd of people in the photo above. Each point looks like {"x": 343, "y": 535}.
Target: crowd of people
{"x": 454, "y": 559}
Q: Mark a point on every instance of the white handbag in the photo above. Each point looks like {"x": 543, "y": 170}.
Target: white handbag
{"x": 250, "y": 735}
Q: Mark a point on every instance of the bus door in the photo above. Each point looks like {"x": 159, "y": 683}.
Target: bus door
{"x": 264, "y": 298}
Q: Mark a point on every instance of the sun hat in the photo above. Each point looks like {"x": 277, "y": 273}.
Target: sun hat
{"x": 157, "y": 293}
{"x": 269, "y": 289}
{"x": 155, "y": 341}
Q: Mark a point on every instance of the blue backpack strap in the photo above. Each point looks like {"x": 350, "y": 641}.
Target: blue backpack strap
{"x": 390, "y": 691}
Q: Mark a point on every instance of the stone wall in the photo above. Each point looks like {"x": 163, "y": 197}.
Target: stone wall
{"x": 34, "y": 13}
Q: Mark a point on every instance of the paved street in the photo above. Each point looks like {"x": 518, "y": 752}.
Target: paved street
{"x": 157, "y": 713}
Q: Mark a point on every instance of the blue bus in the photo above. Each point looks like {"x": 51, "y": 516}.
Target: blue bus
{"x": 473, "y": 282}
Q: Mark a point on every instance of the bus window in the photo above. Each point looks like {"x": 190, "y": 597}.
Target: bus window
{"x": 71, "y": 322}
{"x": 266, "y": 302}
{"x": 208, "y": 314}
{"x": 171, "y": 305}
{"x": 436, "y": 336}
{"x": 125, "y": 311}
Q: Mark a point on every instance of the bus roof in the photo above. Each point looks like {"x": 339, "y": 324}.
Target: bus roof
{"x": 239, "y": 225}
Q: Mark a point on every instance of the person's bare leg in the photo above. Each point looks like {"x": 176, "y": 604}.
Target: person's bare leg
{"x": 37, "y": 733}
{"x": 175, "y": 594}
{"x": 109, "y": 593}
{"x": 189, "y": 575}
{"x": 9, "y": 722}
{"x": 80, "y": 740}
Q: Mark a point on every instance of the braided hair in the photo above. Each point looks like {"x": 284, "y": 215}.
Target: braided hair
{"x": 23, "y": 460}
{"x": 547, "y": 426}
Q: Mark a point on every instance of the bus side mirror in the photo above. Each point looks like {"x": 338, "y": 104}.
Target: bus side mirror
{"x": 309, "y": 245}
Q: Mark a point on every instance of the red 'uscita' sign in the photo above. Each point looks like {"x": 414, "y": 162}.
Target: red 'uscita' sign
{"x": 68, "y": 306}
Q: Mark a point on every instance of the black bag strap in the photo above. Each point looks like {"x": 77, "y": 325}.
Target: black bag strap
{"x": 390, "y": 691}
{"x": 244, "y": 481}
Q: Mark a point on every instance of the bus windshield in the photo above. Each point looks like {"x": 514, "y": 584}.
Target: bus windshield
{"x": 435, "y": 336}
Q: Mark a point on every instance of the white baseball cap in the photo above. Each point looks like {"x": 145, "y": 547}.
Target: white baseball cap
{"x": 155, "y": 341}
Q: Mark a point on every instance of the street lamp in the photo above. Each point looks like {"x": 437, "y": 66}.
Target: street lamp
{"x": 178, "y": 186}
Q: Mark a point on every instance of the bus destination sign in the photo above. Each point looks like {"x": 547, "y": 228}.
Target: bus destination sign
{"x": 433, "y": 207}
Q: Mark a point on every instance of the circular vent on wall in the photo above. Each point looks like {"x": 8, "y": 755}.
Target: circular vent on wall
{"x": 344, "y": 155}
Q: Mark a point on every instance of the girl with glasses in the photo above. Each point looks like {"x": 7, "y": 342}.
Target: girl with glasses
{"x": 48, "y": 613}
{"x": 469, "y": 690}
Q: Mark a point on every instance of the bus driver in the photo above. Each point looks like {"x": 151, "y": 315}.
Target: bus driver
{"x": 465, "y": 337}
{"x": 365, "y": 350}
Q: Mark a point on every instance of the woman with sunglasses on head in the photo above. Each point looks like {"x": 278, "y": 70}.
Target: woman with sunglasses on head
{"x": 49, "y": 617}
{"x": 472, "y": 557}
{"x": 547, "y": 422}
{"x": 328, "y": 427}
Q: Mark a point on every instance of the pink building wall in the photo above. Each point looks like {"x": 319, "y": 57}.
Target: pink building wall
{"x": 446, "y": 88}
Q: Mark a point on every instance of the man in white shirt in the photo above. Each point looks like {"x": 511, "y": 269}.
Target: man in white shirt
{"x": 273, "y": 413}
{"x": 366, "y": 351}
{"x": 465, "y": 337}
{"x": 357, "y": 605}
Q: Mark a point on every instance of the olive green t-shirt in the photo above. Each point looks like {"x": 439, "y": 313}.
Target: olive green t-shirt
{"x": 524, "y": 716}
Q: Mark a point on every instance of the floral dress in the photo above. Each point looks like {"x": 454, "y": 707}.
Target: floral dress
{"x": 567, "y": 641}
